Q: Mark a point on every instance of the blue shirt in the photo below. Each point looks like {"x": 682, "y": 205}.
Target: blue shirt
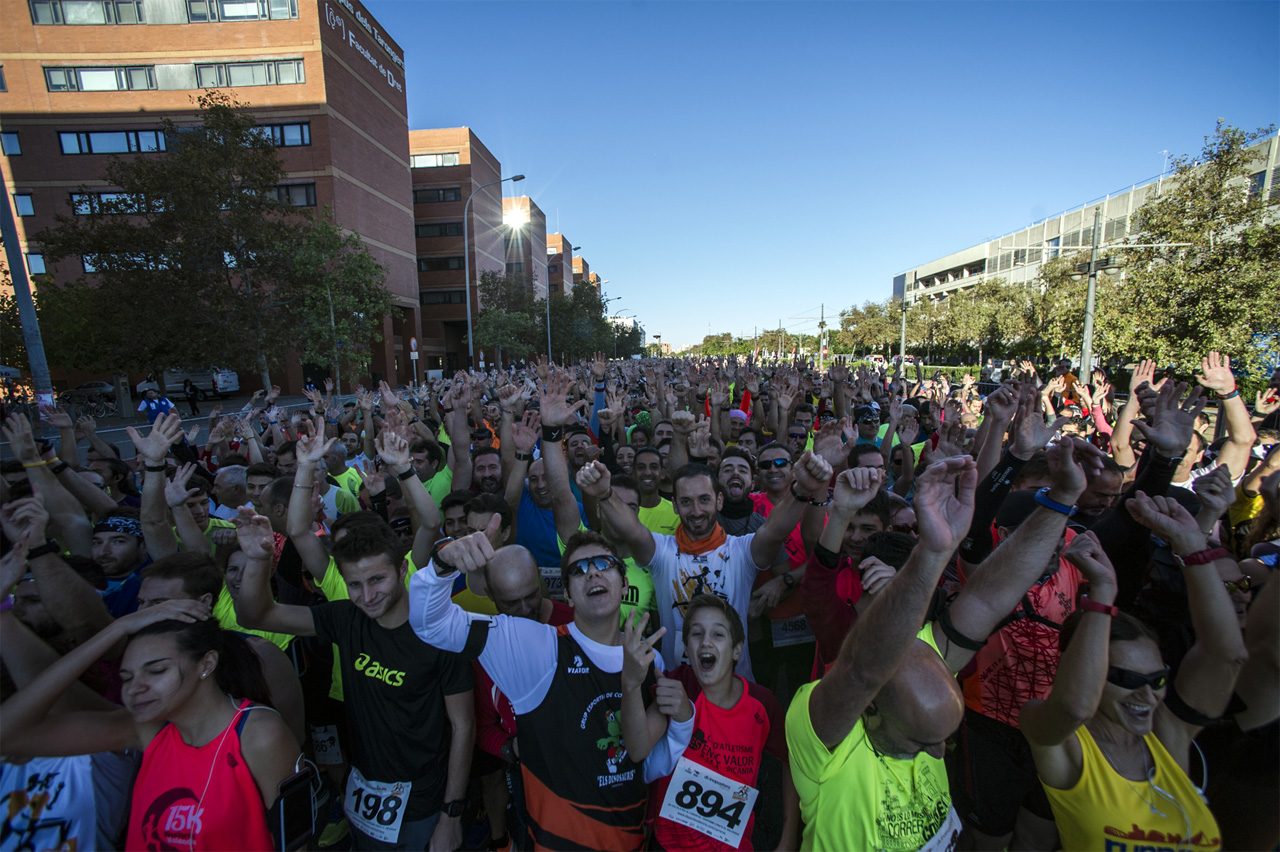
{"x": 536, "y": 530}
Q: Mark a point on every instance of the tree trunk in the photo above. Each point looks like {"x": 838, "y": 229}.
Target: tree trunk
{"x": 263, "y": 372}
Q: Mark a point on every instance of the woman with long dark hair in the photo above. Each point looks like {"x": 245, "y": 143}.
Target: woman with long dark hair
{"x": 214, "y": 752}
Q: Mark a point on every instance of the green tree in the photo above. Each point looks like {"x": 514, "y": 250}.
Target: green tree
{"x": 510, "y": 321}
{"x": 872, "y": 328}
{"x": 196, "y": 260}
{"x": 1218, "y": 291}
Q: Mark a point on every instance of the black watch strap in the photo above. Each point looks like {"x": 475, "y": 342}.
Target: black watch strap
{"x": 45, "y": 549}
{"x": 454, "y": 808}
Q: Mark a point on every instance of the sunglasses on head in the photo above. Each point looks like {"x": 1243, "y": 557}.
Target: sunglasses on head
{"x": 1126, "y": 679}
{"x": 584, "y": 566}
{"x": 780, "y": 461}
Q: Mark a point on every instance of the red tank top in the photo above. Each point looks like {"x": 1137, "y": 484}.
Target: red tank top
{"x": 198, "y": 798}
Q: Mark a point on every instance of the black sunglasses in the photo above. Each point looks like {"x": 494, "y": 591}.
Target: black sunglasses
{"x": 780, "y": 461}
{"x": 584, "y": 566}
{"x": 1126, "y": 679}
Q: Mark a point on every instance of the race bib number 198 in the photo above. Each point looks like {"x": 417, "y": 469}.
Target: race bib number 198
{"x": 376, "y": 808}
{"x": 707, "y": 801}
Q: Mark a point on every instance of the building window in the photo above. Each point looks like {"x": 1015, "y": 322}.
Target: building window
{"x": 286, "y": 135}
{"x": 23, "y": 203}
{"x": 1256, "y": 182}
{"x": 515, "y": 268}
{"x": 297, "y": 194}
{"x": 1114, "y": 229}
{"x": 112, "y": 142}
{"x": 553, "y": 269}
{"x": 443, "y": 297}
{"x": 438, "y": 229}
{"x": 35, "y": 264}
{"x": 1054, "y": 247}
{"x": 433, "y": 196}
{"x": 201, "y": 11}
{"x": 10, "y": 143}
{"x": 431, "y": 161}
{"x": 272, "y": 72}
{"x": 439, "y": 264}
{"x": 101, "y": 78}
{"x": 109, "y": 203}
{"x": 4, "y": 87}
{"x": 86, "y": 11}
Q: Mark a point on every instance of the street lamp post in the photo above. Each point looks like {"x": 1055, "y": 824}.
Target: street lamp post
{"x": 466, "y": 260}
{"x": 658, "y": 353}
{"x": 1086, "y": 343}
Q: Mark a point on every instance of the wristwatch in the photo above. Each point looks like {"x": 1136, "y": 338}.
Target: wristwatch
{"x": 435, "y": 556}
{"x": 789, "y": 580}
{"x": 1087, "y": 605}
{"x": 454, "y": 808}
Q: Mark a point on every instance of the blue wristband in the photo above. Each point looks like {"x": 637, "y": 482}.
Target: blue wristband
{"x": 1042, "y": 497}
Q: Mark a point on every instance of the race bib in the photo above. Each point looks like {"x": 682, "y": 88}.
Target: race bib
{"x": 947, "y": 836}
{"x": 791, "y": 631}
{"x": 324, "y": 741}
{"x": 706, "y": 801}
{"x": 376, "y": 808}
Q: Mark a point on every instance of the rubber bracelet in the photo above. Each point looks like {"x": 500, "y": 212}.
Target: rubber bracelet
{"x": 155, "y": 468}
{"x": 41, "y": 463}
{"x": 811, "y": 502}
{"x": 524, "y": 457}
{"x": 45, "y": 549}
{"x": 1202, "y": 557}
{"x": 59, "y": 467}
{"x": 552, "y": 433}
{"x": 1235, "y": 392}
{"x": 407, "y": 475}
{"x": 1087, "y": 605}
{"x": 1042, "y": 497}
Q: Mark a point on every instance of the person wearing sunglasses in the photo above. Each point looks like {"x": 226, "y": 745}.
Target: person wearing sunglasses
{"x": 1113, "y": 741}
{"x": 584, "y": 786}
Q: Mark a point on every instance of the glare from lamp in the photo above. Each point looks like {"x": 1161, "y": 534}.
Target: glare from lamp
{"x": 515, "y": 218}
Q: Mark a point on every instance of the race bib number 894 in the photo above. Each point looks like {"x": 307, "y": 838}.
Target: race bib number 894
{"x": 708, "y": 802}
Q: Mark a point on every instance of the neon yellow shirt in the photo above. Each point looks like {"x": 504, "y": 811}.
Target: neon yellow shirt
{"x": 350, "y": 480}
{"x": 853, "y": 798}
{"x": 1107, "y": 810}
{"x": 661, "y": 519}
{"x": 224, "y": 612}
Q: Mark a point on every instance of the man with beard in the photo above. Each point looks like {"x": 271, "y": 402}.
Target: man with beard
{"x": 700, "y": 558}
{"x": 486, "y": 470}
{"x": 736, "y": 474}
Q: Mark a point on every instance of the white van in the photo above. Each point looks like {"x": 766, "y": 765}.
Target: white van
{"x": 213, "y": 381}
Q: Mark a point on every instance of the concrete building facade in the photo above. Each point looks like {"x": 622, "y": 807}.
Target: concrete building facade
{"x": 82, "y": 80}
{"x": 526, "y": 235}
{"x": 1018, "y": 255}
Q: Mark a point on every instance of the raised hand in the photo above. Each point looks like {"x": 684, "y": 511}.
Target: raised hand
{"x": 1143, "y": 374}
{"x": 598, "y": 367}
{"x": 393, "y": 449}
{"x": 875, "y": 575}
{"x": 638, "y": 651}
{"x": 86, "y": 426}
{"x": 1072, "y": 462}
{"x": 1216, "y": 494}
{"x": 17, "y": 431}
{"x": 554, "y": 406}
{"x": 671, "y": 699}
{"x": 272, "y": 395}
{"x": 1216, "y": 374}
{"x": 829, "y": 442}
{"x": 594, "y": 480}
{"x": 700, "y": 439}
{"x": 27, "y": 518}
{"x": 311, "y": 448}
{"x": 854, "y": 489}
{"x": 683, "y": 422}
{"x": 1001, "y": 404}
{"x": 56, "y": 417}
{"x": 944, "y": 503}
{"x": 165, "y": 432}
{"x": 1086, "y": 553}
{"x": 812, "y": 473}
{"x": 253, "y": 532}
{"x": 1170, "y": 423}
{"x": 524, "y": 433}
{"x": 470, "y": 553}
{"x": 1030, "y": 433}
{"x": 176, "y": 609}
{"x": 13, "y": 565}
{"x": 1165, "y": 517}
{"x": 1266, "y": 401}
{"x": 176, "y": 492}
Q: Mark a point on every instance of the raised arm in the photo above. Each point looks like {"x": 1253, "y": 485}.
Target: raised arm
{"x": 393, "y": 449}
{"x": 301, "y": 516}
{"x": 255, "y": 606}
{"x": 1121, "y": 449}
{"x": 808, "y": 491}
{"x": 1208, "y": 672}
{"x": 593, "y": 478}
{"x": 176, "y": 495}
{"x": 875, "y": 647}
{"x": 1082, "y": 674}
{"x": 995, "y": 587}
{"x": 1216, "y": 375}
{"x": 564, "y": 507}
{"x": 1259, "y": 683}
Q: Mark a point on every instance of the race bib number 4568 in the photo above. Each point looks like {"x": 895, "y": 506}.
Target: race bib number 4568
{"x": 707, "y": 801}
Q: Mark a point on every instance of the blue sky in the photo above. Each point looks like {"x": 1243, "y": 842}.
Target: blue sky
{"x": 729, "y": 164}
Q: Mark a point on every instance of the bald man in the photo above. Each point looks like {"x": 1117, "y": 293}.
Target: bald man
{"x": 866, "y": 741}
{"x": 512, "y": 580}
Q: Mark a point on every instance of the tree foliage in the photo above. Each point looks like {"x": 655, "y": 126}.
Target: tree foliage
{"x": 195, "y": 260}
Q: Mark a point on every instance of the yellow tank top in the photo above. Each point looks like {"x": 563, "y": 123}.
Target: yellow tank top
{"x": 1107, "y": 811}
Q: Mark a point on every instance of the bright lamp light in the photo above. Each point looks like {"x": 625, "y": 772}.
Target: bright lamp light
{"x": 515, "y": 218}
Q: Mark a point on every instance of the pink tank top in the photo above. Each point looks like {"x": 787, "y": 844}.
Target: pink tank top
{"x": 201, "y": 798}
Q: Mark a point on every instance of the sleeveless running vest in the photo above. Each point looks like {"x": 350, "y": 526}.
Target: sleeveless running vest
{"x": 198, "y": 798}
{"x": 581, "y": 789}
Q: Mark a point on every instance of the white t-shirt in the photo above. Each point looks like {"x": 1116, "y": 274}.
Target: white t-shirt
{"x": 727, "y": 572}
